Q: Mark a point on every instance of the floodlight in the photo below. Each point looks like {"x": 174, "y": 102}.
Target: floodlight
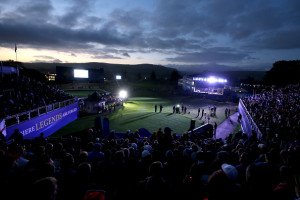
{"x": 123, "y": 94}
{"x": 212, "y": 79}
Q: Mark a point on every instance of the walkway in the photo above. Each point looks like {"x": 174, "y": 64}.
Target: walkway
{"x": 226, "y": 127}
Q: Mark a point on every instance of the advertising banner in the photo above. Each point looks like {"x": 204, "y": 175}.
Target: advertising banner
{"x": 47, "y": 123}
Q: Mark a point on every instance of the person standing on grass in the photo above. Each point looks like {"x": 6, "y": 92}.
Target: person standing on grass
{"x": 215, "y": 130}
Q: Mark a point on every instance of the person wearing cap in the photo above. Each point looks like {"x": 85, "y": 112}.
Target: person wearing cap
{"x": 222, "y": 183}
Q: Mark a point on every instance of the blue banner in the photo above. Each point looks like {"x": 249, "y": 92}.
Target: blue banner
{"x": 247, "y": 122}
{"x": 47, "y": 123}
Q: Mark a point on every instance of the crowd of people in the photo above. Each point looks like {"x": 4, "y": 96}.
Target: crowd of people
{"x": 21, "y": 93}
{"x": 163, "y": 166}
{"x": 276, "y": 111}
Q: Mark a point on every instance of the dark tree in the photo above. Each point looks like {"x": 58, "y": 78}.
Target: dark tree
{"x": 124, "y": 74}
{"x": 175, "y": 76}
{"x": 139, "y": 76}
{"x": 153, "y": 76}
{"x": 283, "y": 72}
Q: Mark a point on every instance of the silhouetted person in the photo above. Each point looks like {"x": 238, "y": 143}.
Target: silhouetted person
{"x": 17, "y": 136}
{"x": 239, "y": 118}
{"x": 215, "y": 130}
{"x": 45, "y": 188}
{"x": 198, "y": 112}
{"x": 160, "y": 108}
{"x": 155, "y": 108}
{"x": 155, "y": 186}
{"x": 173, "y": 109}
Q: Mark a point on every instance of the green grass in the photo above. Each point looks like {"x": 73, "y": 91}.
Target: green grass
{"x": 82, "y": 93}
{"x": 139, "y": 112}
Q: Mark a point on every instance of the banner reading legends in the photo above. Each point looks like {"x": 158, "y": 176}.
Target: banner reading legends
{"x": 47, "y": 123}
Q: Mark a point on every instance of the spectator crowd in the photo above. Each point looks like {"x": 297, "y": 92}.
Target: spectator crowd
{"x": 276, "y": 111}
{"x": 19, "y": 94}
{"x": 163, "y": 166}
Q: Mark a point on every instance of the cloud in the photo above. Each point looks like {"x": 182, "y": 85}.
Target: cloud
{"x": 53, "y": 36}
{"x": 187, "y": 31}
{"x": 107, "y": 56}
{"x": 126, "y": 54}
{"x": 210, "y": 56}
{"x": 284, "y": 39}
{"x": 48, "y": 59}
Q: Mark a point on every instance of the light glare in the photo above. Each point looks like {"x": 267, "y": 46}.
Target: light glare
{"x": 123, "y": 94}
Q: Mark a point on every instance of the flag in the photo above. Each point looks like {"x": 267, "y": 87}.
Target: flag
{"x": 15, "y": 47}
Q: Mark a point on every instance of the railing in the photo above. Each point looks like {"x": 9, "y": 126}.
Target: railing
{"x": 248, "y": 121}
{"x": 27, "y": 115}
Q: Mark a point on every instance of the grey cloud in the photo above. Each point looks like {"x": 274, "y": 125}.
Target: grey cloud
{"x": 52, "y": 36}
{"x": 209, "y": 56}
{"x": 32, "y": 12}
{"x": 285, "y": 39}
{"x": 193, "y": 30}
{"x": 107, "y": 56}
{"x": 241, "y": 21}
{"x": 49, "y": 59}
{"x": 76, "y": 11}
{"x": 44, "y": 57}
{"x": 126, "y": 54}
{"x": 56, "y": 61}
{"x": 132, "y": 19}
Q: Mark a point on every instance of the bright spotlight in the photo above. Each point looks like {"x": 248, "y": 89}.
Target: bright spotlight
{"x": 212, "y": 79}
{"x": 118, "y": 77}
{"x": 123, "y": 94}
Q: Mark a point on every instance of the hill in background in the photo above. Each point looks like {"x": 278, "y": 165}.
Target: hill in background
{"x": 110, "y": 70}
{"x": 140, "y": 71}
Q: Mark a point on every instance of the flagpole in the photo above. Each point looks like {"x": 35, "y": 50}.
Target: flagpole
{"x": 16, "y": 52}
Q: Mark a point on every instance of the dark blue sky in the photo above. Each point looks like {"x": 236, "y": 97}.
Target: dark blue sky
{"x": 226, "y": 33}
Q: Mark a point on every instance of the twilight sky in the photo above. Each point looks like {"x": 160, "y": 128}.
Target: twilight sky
{"x": 234, "y": 33}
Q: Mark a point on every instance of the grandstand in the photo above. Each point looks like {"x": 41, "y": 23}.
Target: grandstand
{"x": 34, "y": 107}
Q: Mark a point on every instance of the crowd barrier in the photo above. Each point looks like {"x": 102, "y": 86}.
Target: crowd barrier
{"x": 46, "y": 119}
{"x": 247, "y": 122}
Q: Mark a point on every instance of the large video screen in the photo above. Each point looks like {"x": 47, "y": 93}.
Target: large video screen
{"x": 81, "y": 73}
